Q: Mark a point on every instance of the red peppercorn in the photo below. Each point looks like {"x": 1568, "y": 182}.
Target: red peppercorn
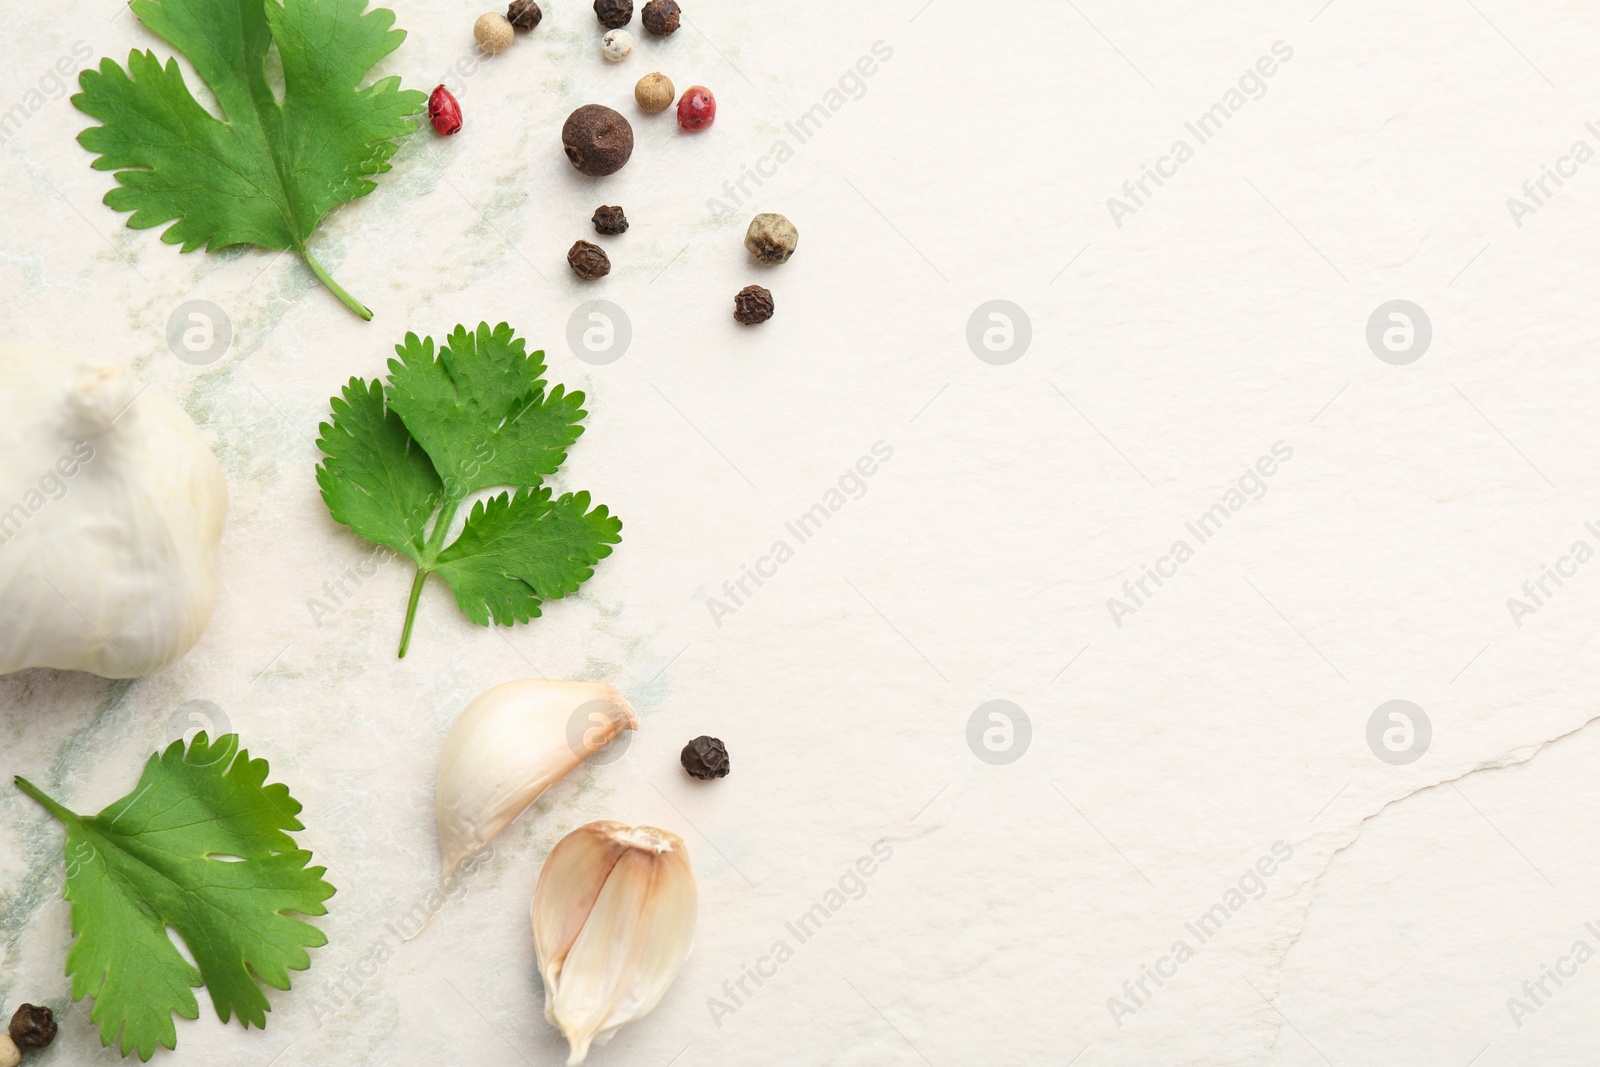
{"x": 444, "y": 112}
{"x": 697, "y": 109}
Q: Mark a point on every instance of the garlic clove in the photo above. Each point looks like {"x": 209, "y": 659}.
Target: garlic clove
{"x": 511, "y": 744}
{"x": 578, "y": 868}
{"x": 613, "y": 922}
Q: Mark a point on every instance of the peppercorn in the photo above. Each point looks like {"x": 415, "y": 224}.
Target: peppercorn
{"x": 588, "y": 261}
{"x": 33, "y": 1026}
{"x": 524, "y": 14}
{"x": 493, "y": 32}
{"x": 705, "y": 758}
{"x": 616, "y": 45}
{"x": 10, "y": 1054}
{"x": 771, "y": 238}
{"x": 444, "y": 112}
{"x": 597, "y": 140}
{"x": 661, "y": 17}
{"x": 610, "y": 221}
{"x": 697, "y": 109}
{"x": 613, "y": 14}
{"x": 753, "y": 305}
{"x": 654, "y": 93}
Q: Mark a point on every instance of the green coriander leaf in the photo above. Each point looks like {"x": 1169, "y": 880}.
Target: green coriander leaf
{"x": 376, "y": 479}
{"x": 473, "y": 415}
{"x": 517, "y": 551}
{"x": 269, "y": 170}
{"x": 481, "y": 408}
{"x": 158, "y": 859}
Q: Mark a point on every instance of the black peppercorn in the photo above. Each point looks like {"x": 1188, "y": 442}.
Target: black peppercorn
{"x": 597, "y": 140}
{"x": 33, "y": 1027}
{"x": 613, "y": 14}
{"x": 753, "y": 305}
{"x": 524, "y": 14}
{"x": 705, "y": 758}
{"x": 588, "y": 261}
{"x": 610, "y": 221}
{"x": 661, "y": 17}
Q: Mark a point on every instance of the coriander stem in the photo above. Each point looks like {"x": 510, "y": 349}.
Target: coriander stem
{"x": 411, "y": 611}
{"x": 334, "y": 287}
{"x": 436, "y": 538}
{"x": 49, "y": 805}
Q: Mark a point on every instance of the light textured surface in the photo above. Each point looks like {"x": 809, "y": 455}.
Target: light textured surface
{"x": 1169, "y": 753}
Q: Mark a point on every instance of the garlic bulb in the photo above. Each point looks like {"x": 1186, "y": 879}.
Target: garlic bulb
{"x": 111, "y": 508}
{"x": 613, "y": 922}
{"x": 511, "y": 744}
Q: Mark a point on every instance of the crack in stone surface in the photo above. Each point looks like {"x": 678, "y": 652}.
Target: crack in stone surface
{"x": 1288, "y": 933}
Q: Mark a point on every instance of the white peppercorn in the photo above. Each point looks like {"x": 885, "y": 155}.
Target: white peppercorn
{"x": 655, "y": 93}
{"x": 493, "y": 32}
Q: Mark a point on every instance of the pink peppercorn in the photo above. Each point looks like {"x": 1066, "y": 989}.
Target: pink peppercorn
{"x": 697, "y": 109}
{"x": 444, "y": 112}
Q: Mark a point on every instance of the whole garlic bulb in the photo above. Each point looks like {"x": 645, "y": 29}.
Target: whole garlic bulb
{"x": 111, "y": 508}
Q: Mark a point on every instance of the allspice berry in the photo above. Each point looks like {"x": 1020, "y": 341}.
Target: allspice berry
{"x": 524, "y": 14}
{"x": 753, "y": 305}
{"x": 655, "y": 93}
{"x": 705, "y": 758}
{"x": 33, "y": 1026}
{"x": 493, "y": 32}
{"x": 610, "y": 221}
{"x": 597, "y": 140}
{"x": 588, "y": 261}
{"x": 771, "y": 238}
{"x": 613, "y": 14}
{"x": 661, "y": 17}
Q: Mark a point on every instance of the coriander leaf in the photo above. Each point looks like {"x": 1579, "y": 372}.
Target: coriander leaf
{"x": 376, "y": 479}
{"x": 152, "y": 861}
{"x": 269, "y": 170}
{"x": 473, "y": 415}
{"x": 517, "y": 551}
{"x": 481, "y": 409}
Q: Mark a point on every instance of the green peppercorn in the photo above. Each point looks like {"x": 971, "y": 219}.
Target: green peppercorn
{"x": 771, "y": 238}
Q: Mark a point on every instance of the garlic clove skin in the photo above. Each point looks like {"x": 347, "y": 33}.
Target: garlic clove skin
{"x": 511, "y": 744}
{"x": 613, "y": 922}
{"x": 111, "y": 511}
